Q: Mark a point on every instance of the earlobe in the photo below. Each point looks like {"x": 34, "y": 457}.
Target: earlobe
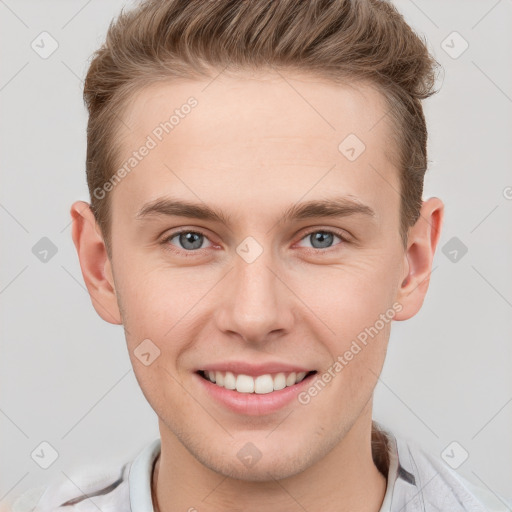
{"x": 422, "y": 242}
{"x": 94, "y": 262}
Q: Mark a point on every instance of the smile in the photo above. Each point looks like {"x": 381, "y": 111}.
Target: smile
{"x": 260, "y": 384}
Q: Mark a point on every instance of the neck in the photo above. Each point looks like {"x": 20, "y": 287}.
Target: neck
{"x": 345, "y": 479}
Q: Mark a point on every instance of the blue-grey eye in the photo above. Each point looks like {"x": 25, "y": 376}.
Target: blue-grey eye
{"x": 321, "y": 239}
{"x": 189, "y": 240}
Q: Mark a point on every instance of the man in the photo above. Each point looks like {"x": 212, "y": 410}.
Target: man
{"x": 256, "y": 224}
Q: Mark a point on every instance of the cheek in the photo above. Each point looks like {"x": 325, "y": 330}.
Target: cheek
{"x": 160, "y": 306}
{"x": 350, "y": 296}
{"x": 153, "y": 299}
{"x": 350, "y": 300}
{"x": 155, "y": 323}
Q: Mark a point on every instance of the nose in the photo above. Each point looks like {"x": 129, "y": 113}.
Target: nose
{"x": 254, "y": 302}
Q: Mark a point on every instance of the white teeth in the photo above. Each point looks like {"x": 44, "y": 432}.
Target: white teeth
{"x": 300, "y": 376}
{"x": 261, "y": 385}
{"x": 290, "y": 380}
{"x": 279, "y": 381}
{"x": 229, "y": 381}
{"x": 244, "y": 384}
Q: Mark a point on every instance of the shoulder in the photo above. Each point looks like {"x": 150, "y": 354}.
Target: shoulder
{"x": 86, "y": 489}
{"x": 110, "y": 487}
{"x": 439, "y": 486}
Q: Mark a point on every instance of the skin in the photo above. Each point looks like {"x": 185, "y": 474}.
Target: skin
{"x": 253, "y": 146}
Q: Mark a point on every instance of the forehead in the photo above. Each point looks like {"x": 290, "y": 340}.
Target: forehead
{"x": 276, "y": 133}
{"x": 270, "y": 105}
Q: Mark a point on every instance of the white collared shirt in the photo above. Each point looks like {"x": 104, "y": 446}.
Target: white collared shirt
{"x": 416, "y": 482}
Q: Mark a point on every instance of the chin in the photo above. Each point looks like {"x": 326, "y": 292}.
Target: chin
{"x": 270, "y": 467}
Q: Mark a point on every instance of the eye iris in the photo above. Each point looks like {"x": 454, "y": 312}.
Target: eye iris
{"x": 194, "y": 238}
{"x": 323, "y": 237}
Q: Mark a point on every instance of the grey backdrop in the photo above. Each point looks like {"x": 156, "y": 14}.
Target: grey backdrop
{"x": 65, "y": 374}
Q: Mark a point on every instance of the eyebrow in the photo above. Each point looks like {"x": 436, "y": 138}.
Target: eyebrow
{"x": 342, "y": 206}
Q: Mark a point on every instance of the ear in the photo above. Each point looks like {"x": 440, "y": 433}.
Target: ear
{"x": 421, "y": 246}
{"x": 94, "y": 262}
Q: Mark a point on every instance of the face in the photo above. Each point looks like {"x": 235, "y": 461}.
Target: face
{"x": 255, "y": 276}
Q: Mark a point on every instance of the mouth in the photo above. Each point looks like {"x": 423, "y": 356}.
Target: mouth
{"x": 259, "y": 384}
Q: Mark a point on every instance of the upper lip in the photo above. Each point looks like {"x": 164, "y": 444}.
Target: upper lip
{"x": 241, "y": 367}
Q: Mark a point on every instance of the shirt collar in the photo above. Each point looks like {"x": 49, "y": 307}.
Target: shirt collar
{"x": 392, "y": 473}
{"x": 140, "y": 478}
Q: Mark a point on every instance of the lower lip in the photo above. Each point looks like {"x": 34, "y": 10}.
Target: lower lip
{"x": 254, "y": 404}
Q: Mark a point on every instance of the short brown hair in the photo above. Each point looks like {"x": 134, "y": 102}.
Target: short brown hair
{"x": 346, "y": 41}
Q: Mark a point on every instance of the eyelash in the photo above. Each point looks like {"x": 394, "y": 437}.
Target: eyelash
{"x": 192, "y": 253}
